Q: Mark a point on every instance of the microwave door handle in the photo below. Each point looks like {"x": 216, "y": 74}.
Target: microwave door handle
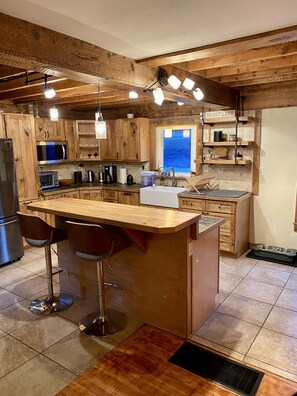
{"x": 64, "y": 152}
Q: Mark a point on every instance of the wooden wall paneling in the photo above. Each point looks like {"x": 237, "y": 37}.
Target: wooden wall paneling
{"x": 2, "y": 128}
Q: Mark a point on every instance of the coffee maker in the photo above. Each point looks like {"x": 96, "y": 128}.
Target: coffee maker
{"x": 114, "y": 173}
{"x": 107, "y": 175}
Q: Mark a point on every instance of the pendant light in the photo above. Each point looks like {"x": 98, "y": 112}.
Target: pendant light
{"x": 49, "y": 93}
{"x": 100, "y": 125}
{"x": 54, "y": 114}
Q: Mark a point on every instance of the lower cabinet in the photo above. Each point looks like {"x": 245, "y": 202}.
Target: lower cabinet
{"x": 234, "y": 233}
{"x": 110, "y": 196}
{"x": 50, "y": 219}
{"x": 92, "y": 194}
{"x": 129, "y": 198}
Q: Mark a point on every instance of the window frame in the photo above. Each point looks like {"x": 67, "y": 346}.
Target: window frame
{"x": 160, "y": 146}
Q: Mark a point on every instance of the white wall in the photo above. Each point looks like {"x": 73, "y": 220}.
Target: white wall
{"x": 274, "y": 208}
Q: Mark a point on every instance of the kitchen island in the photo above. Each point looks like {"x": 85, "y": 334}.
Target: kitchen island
{"x": 169, "y": 273}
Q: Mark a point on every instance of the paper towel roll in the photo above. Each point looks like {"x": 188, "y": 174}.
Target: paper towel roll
{"x": 123, "y": 176}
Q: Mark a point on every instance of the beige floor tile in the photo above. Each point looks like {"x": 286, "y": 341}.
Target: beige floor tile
{"x": 241, "y": 260}
{"x": 228, "y": 282}
{"x": 288, "y": 299}
{"x": 280, "y": 267}
{"x": 283, "y": 321}
{"x": 217, "y": 347}
{"x": 44, "y": 332}
{"x": 229, "y": 332}
{"x": 77, "y": 352}
{"x": 292, "y": 282}
{"x": 245, "y": 308}
{"x": 258, "y": 290}
{"x": 2, "y": 334}
{"x": 79, "y": 309}
{"x": 264, "y": 366}
{"x": 12, "y": 275}
{"x": 27, "y": 258}
{"x": 36, "y": 266}
{"x": 235, "y": 268}
{"x": 269, "y": 275}
{"x": 16, "y": 316}
{"x": 13, "y": 353}
{"x": 38, "y": 377}
{"x": 220, "y": 297}
{"x": 275, "y": 349}
{"x": 7, "y": 298}
{"x": 28, "y": 286}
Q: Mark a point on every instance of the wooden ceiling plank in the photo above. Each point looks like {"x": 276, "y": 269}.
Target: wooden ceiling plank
{"x": 280, "y": 62}
{"x": 259, "y": 40}
{"x": 259, "y": 74}
{"x": 253, "y": 55}
{"x": 265, "y": 80}
{"x": 20, "y": 83}
{"x": 9, "y": 71}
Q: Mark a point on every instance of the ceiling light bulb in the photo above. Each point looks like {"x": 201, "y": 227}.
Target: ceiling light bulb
{"x": 133, "y": 95}
{"x": 188, "y": 83}
{"x": 100, "y": 126}
{"x": 174, "y": 81}
{"x": 198, "y": 94}
{"x": 54, "y": 114}
{"x": 158, "y": 96}
{"x": 49, "y": 92}
{"x": 180, "y": 103}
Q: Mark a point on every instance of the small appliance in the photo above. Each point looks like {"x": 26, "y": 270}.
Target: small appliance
{"x": 48, "y": 180}
{"x": 114, "y": 173}
{"x": 107, "y": 175}
{"x": 77, "y": 177}
{"x": 129, "y": 179}
{"x": 218, "y": 136}
{"x": 91, "y": 176}
{"x": 101, "y": 177}
{"x": 50, "y": 152}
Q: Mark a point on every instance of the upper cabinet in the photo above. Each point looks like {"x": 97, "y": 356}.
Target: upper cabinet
{"x": 87, "y": 144}
{"x": 68, "y": 126}
{"x": 2, "y": 129}
{"x": 45, "y": 129}
{"x": 127, "y": 140}
{"x": 20, "y": 128}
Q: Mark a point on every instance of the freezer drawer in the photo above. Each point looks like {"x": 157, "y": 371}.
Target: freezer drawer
{"x": 11, "y": 242}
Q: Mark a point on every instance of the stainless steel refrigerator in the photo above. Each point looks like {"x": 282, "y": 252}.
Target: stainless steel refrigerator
{"x": 11, "y": 243}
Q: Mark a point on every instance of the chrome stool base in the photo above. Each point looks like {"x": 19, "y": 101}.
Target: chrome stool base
{"x": 94, "y": 325}
{"x": 46, "y": 305}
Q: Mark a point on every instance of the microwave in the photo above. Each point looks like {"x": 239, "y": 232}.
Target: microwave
{"x": 48, "y": 180}
{"x": 50, "y": 152}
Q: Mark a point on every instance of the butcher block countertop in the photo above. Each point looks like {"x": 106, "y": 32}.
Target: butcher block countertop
{"x": 155, "y": 220}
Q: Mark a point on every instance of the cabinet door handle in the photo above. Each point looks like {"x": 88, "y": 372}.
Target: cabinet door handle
{"x": 44, "y": 134}
{"x": 48, "y": 135}
{"x": 126, "y": 193}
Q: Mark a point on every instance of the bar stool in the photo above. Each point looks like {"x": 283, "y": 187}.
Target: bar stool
{"x": 95, "y": 243}
{"x": 40, "y": 234}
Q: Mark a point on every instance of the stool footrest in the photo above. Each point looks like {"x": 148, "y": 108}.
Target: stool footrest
{"x": 58, "y": 270}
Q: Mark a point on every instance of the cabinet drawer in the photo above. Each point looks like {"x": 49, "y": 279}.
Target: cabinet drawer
{"x": 195, "y": 204}
{"x": 220, "y": 206}
{"x": 110, "y": 195}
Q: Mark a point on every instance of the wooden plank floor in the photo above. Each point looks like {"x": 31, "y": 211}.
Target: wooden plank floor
{"x": 139, "y": 366}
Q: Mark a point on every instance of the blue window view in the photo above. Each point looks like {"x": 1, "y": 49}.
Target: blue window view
{"x": 177, "y": 150}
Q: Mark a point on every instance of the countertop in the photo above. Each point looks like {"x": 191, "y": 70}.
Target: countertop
{"x": 86, "y": 185}
{"x": 217, "y": 195}
{"x": 155, "y": 220}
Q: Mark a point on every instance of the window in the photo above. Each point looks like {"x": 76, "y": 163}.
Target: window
{"x": 176, "y": 146}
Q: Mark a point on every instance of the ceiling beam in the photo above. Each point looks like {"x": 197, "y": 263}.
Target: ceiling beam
{"x": 272, "y": 37}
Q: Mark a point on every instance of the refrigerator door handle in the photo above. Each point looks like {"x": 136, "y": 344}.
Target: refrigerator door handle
{"x": 5, "y": 224}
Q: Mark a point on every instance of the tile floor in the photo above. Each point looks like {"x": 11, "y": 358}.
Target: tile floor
{"x": 41, "y": 355}
{"x": 255, "y": 320}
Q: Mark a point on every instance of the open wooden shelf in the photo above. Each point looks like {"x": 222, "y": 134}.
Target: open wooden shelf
{"x": 222, "y": 120}
{"x": 88, "y": 146}
{"x": 227, "y": 162}
{"x": 227, "y": 143}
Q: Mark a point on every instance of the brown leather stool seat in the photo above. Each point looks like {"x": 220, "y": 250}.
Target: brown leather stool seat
{"x": 40, "y": 234}
{"x": 96, "y": 243}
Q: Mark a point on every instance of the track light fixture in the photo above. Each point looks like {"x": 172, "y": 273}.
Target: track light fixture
{"x": 175, "y": 83}
{"x": 133, "y": 95}
{"x": 100, "y": 125}
{"x": 49, "y": 93}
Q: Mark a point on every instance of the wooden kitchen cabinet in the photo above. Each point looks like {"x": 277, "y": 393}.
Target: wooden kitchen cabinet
{"x": 68, "y": 126}
{"x": 129, "y": 198}
{"x": 87, "y": 144}
{"x": 2, "y": 129}
{"x": 110, "y": 196}
{"x": 45, "y": 129}
{"x": 95, "y": 194}
{"x": 234, "y": 233}
{"x": 71, "y": 193}
{"x": 20, "y": 127}
{"x": 127, "y": 140}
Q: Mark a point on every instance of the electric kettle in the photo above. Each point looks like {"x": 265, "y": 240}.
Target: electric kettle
{"x": 91, "y": 176}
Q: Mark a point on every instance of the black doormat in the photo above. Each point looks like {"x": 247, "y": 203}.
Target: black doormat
{"x": 257, "y": 256}
{"x": 236, "y": 377}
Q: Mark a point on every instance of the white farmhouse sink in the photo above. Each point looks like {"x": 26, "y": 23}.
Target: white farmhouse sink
{"x": 160, "y": 196}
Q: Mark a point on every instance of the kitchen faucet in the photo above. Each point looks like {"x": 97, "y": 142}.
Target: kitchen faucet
{"x": 174, "y": 182}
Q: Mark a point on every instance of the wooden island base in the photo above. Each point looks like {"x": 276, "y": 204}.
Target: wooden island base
{"x": 172, "y": 286}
